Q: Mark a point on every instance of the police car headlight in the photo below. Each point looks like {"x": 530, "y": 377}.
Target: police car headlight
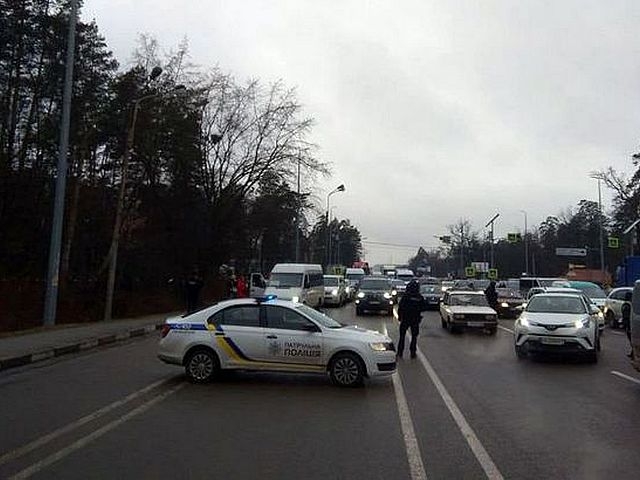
{"x": 504, "y": 305}
{"x": 334, "y": 292}
{"x": 381, "y": 346}
{"x": 387, "y": 295}
{"x": 295, "y": 299}
{"x": 360, "y": 294}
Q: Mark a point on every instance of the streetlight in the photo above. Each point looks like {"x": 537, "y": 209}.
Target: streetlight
{"x": 491, "y": 222}
{"x": 117, "y": 226}
{"x": 51, "y": 295}
{"x": 339, "y": 188}
{"x": 600, "y": 218}
{"x": 526, "y": 244}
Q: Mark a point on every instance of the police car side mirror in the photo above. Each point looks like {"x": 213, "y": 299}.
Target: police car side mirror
{"x": 311, "y": 328}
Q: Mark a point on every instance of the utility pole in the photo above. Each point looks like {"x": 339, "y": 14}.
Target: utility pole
{"x": 600, "y": 215}
{"x": 461, "y": 250}
{"x": 526, "y": 244}
{"x": 490, "y": 223}
{"x": 298, "y": 218}
{"x": 51, "y": 296}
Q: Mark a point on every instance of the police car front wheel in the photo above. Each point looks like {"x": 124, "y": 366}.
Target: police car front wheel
{"x": 346, "y": 370}
{"x": 201, "y": 366}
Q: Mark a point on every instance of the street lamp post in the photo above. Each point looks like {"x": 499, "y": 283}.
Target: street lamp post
{"x": 339, "y": 188}
{"x": 491, "y": 223}
{"x": 526, "y": 244}
{"x": 117, "y": 227}
{"x": 298, "y": 217}
{"x": 51, "y": 296}
{"x": 600, "y": 221}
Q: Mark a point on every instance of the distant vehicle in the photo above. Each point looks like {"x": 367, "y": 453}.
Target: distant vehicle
{"x": 398, "y": 287}
{"x": 558, "y": 322}
{"x": 471, "y": 284}
{"x": 580, "y": 274}
{"x": 374, "y": 294}
{"x": 527, "y": 283}
{"x": 613, "y": 306}
{"x": 363, "y": 265}
{"x": 335, "y": 290}
{"x": 257, "y": 285}
{"x": 467, "y": 309}
{"x": 273, "y": 335}
{"x": 432, "y": 294}
{"x": 298, "y": 282}
{"x": 509, "y": 302}
{"x": 389, "y": 270}
{"x": 628, "y": 272}
{"x": 591, "y": 290}
{"x": 447, "y": 285}
{"x": 405, "y": 274}
{"x": 353, "y": 277}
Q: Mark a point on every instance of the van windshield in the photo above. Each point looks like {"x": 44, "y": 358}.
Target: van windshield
{"x": 285, "y": 280}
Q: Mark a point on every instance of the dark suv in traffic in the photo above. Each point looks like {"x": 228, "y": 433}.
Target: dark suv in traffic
{"x": 374, "y": 294}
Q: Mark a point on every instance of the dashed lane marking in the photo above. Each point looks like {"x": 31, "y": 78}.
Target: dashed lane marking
{"x": 29, "y": 447}
{"x": 416, "y": 467}
{"x": 626, "y": 377}
{"x": 481, "y": 454}
{"x": 505, "y": 329}
{"x": 84, "y": 441}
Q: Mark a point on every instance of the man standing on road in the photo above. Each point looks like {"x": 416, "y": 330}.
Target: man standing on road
{"x": 492, "y": 295}
{"x": 193, "y": 286}
{"x": 626, "y": 319}
{"x": 411, "y": 305}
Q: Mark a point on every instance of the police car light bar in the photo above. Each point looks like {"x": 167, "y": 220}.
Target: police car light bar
{"x": 266, "y": 298}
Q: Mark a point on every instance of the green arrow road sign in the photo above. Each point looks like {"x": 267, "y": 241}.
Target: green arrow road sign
{"x": 493, "y": 273}
{"x": 614, "y": 242}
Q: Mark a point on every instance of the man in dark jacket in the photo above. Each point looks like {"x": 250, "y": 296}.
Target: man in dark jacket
{"x": 492, "y": 295}
{"x": 412, "y": 304}
{"x": 193, "y": 285}
{"x": 626, "y": 319}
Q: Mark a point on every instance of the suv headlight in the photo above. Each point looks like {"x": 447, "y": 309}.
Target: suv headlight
{"x": 524, "y": 322}
{"x": 584, "y": 323}
{"x": 360, "y": 294}
{"x": 382, "y": 346}
{"x": 387, "y": 295}
{"x": 334, "y": 292}
{"x": 504, "y": 305}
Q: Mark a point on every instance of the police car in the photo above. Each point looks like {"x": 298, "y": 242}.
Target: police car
{"x": 274, "y": 335}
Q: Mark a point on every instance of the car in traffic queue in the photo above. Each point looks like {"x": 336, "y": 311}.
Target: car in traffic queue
{"x": 273, "y": 335}
{"x": 462, "y": 309}
{"x": 509, "y": 302}
{"x": 432, "y": 295}
{"x": 574, "y": 291}
{"x": 374, "y": 295}
{"x": 592, "y": 290}
{"x": 353, "y": 276}
{"x": 398, "y": 287}
{"x": 558, "y": 323}
{"x": 613, "y": 306}
{"x": 335, "y": 290}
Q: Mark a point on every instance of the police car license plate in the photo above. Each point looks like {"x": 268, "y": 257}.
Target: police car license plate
{"x": 475, "y": 324}
{"x": 552, "y": 341}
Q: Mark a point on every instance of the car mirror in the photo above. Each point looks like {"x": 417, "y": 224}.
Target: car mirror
{"x": 310, "y": 328}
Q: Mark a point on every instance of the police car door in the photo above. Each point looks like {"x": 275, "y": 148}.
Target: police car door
{"x": 238, "y": 335}
{"x": 291, "y": 337}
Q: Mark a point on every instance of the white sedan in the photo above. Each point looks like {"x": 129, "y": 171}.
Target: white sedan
{"x": 274, "y": 335}
{"x": 558, "y": 322}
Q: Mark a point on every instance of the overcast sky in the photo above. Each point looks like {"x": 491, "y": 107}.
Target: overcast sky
{"x": 430, "y": 110}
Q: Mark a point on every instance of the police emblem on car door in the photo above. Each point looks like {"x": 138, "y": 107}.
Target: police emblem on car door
{"x": 291, "y": 337}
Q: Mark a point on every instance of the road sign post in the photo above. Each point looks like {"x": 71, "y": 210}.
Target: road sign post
{"x": 493, "y": 273}
{"x": 470, "y": 272}
{"x": 614, "y": 242}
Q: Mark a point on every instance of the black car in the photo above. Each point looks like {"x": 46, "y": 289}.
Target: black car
{"x": 509, "y": 300}
{"x": 374, "y": 294}
{"x": 432, "y": 294}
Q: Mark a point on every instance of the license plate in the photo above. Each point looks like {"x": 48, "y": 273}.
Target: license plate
{"x": 552, "y": 341}
{"x": 475, "y": 324}
{"x": 374, "y": 302}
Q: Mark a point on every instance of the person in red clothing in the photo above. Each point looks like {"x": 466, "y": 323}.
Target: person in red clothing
{"x": 241, "y": 287}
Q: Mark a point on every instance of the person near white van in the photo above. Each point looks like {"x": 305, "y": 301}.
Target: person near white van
{"x": 299, "y": 282}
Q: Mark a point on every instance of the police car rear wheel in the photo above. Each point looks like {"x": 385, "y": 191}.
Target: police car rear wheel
{"x": 202, "y": 366}
{"x": 346, "y": 370}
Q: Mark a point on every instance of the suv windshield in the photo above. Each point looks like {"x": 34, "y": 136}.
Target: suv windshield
{"x": 321, "y": 318}
{"x": 545, "y": 304}
{"x": 331, "y": 282}
{"x": 374, "y": 284}
{"x": 591, "y": 291}
{"x": 285, "y": 280}
{"x": 468, "y": 300}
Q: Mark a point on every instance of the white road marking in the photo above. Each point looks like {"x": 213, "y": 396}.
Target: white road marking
{"x": 505, "y": 329}
{"x": 84, "y": 441}
{"x": 626, "y": 377}
{"x": 481, "y": 454}
{"x": 617, "y": 333}
{"x": 29, "y": 447}
{"x": 416, "y": 466}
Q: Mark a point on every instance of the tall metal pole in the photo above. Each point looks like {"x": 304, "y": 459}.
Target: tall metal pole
{"x": 601, "y": 230}
{"x": 493, "y": 262}
{"x": 51, "y": 296}
{"x": 328, "y": 241}
{"x": 298, "y": 218}
{"x": 461, "y": 250}
{"x": 526, "y": 243}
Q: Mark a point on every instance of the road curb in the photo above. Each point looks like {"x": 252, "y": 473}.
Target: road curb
{"x": 82, "y": 345}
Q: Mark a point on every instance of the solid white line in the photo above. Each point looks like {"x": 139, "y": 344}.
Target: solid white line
{"x": 626, "y": 377}
{"x": 487, "y": 464}
{"x": 616, "y": 333}
{"x": 84, "y": 441}
{"x": 416, "y": 467}
{"x": 19, "y": 452}
{"x": 505, "y": 329}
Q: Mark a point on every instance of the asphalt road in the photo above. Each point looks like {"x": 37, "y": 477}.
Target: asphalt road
{"x": 474, "y": 411}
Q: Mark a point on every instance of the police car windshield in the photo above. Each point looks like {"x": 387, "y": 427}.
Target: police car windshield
{"x": 545, "y": 304}
{"x": 468, "y": 300}
{"x": 374, "y": 284}
{"x": 319, "y": 317}
{"x": 285, "y": 280}
{"x": 330, "y": 281}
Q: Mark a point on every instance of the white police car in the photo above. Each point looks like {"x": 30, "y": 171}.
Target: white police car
{"x": 275, "y": 335}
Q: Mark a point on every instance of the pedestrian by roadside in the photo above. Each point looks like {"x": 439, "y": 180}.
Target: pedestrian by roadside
{"x": 193, "y": 285}
{"x": 412, "y": 304}
{"x": 492, "y": 295}
{"x": 241, "y": 287}
{"x": 626, "y": 319}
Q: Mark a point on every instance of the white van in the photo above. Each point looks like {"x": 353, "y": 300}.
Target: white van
{"x": 299, "y": 282}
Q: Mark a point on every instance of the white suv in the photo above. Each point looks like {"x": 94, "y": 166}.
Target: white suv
{"x": 613, "y": 306}
{"x": 560, "y": 323}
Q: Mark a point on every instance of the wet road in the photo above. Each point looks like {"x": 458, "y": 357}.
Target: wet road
{"x": 474, "y": 411}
